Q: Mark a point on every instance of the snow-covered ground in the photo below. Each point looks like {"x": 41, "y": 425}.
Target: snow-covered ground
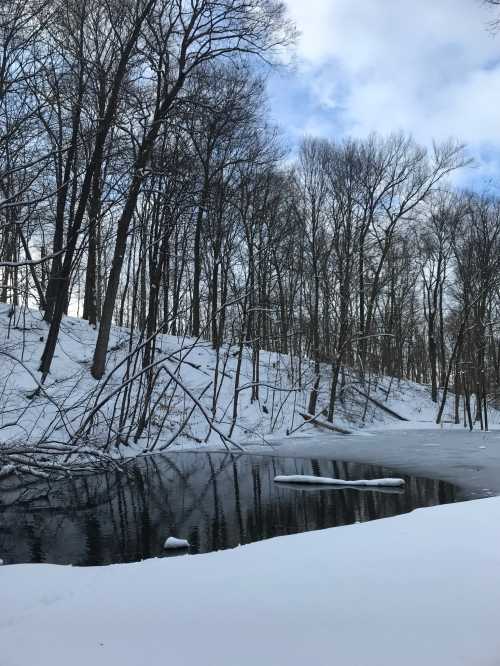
{"x": 422, "y": 588}
{"x": 70, "y": 391}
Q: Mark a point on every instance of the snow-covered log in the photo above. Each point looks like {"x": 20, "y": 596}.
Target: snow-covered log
{"x": 303, "y": 478}
{"x": 314, "y": 420}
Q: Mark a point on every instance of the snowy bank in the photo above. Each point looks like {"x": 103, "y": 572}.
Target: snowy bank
{"x": 323, "y": 480}
{"x": 60, "y": 411}
{"x": 192, "y": 402}
{"x": 422, "y": 588}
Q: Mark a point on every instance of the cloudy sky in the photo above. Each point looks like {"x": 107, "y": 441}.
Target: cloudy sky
{"x": 429, "y": 67}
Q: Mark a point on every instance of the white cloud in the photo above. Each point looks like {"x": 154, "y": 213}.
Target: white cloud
{"x": 430, "y": 67}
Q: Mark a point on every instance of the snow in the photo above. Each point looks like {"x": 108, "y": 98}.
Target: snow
{"x": 6, "y": 470}
{"x": 70, "y": 391}
{"x": 422, "y": 588}
{"x": 172, "y": 543}
{"x": 303, "y": 478}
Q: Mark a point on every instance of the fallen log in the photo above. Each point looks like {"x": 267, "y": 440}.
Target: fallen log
{"x": 324, "y": 424}
{"x": 303, "y": 479}
{"x": 380, "y": 405}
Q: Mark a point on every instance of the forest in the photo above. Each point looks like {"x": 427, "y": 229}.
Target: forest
{"x": 145, "y": 186}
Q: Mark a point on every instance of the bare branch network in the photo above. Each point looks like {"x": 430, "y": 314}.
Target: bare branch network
{"x": 168, "y": 273}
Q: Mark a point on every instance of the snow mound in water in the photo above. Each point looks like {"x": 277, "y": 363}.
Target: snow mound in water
{"x": 172, "y": 543}
{"x": 302, "y": 478}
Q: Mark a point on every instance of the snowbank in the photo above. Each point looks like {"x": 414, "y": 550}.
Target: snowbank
{"x": 323, "y": 480}
{"x": 422, "y": 588}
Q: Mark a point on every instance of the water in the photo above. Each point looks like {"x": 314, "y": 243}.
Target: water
{"x": 215, "y": 500}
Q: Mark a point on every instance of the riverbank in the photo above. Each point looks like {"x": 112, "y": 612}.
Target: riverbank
{"x": 422, "y": 588}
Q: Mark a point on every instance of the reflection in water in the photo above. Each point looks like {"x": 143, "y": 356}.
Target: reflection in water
{"x": 215, "y": 501}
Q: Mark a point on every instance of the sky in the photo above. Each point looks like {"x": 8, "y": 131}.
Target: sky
{"x": 427, "y": 67}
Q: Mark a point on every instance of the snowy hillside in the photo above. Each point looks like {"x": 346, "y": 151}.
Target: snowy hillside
{"x": 182, "y": 413}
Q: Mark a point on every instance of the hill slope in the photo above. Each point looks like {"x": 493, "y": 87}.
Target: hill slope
{"x": 182, "y": 411}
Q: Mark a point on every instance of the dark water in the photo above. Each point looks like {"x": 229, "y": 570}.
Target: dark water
{"x": 215, "y": 501}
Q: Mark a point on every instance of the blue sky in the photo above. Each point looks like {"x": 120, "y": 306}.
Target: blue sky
{"x": 428, "y": 67}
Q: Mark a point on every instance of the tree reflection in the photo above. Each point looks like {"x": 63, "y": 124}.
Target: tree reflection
{"x": 216, "y": 501}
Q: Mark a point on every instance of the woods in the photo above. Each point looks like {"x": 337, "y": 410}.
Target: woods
{"x": 249, "y": 332}
{"x": 144, "y": 185}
